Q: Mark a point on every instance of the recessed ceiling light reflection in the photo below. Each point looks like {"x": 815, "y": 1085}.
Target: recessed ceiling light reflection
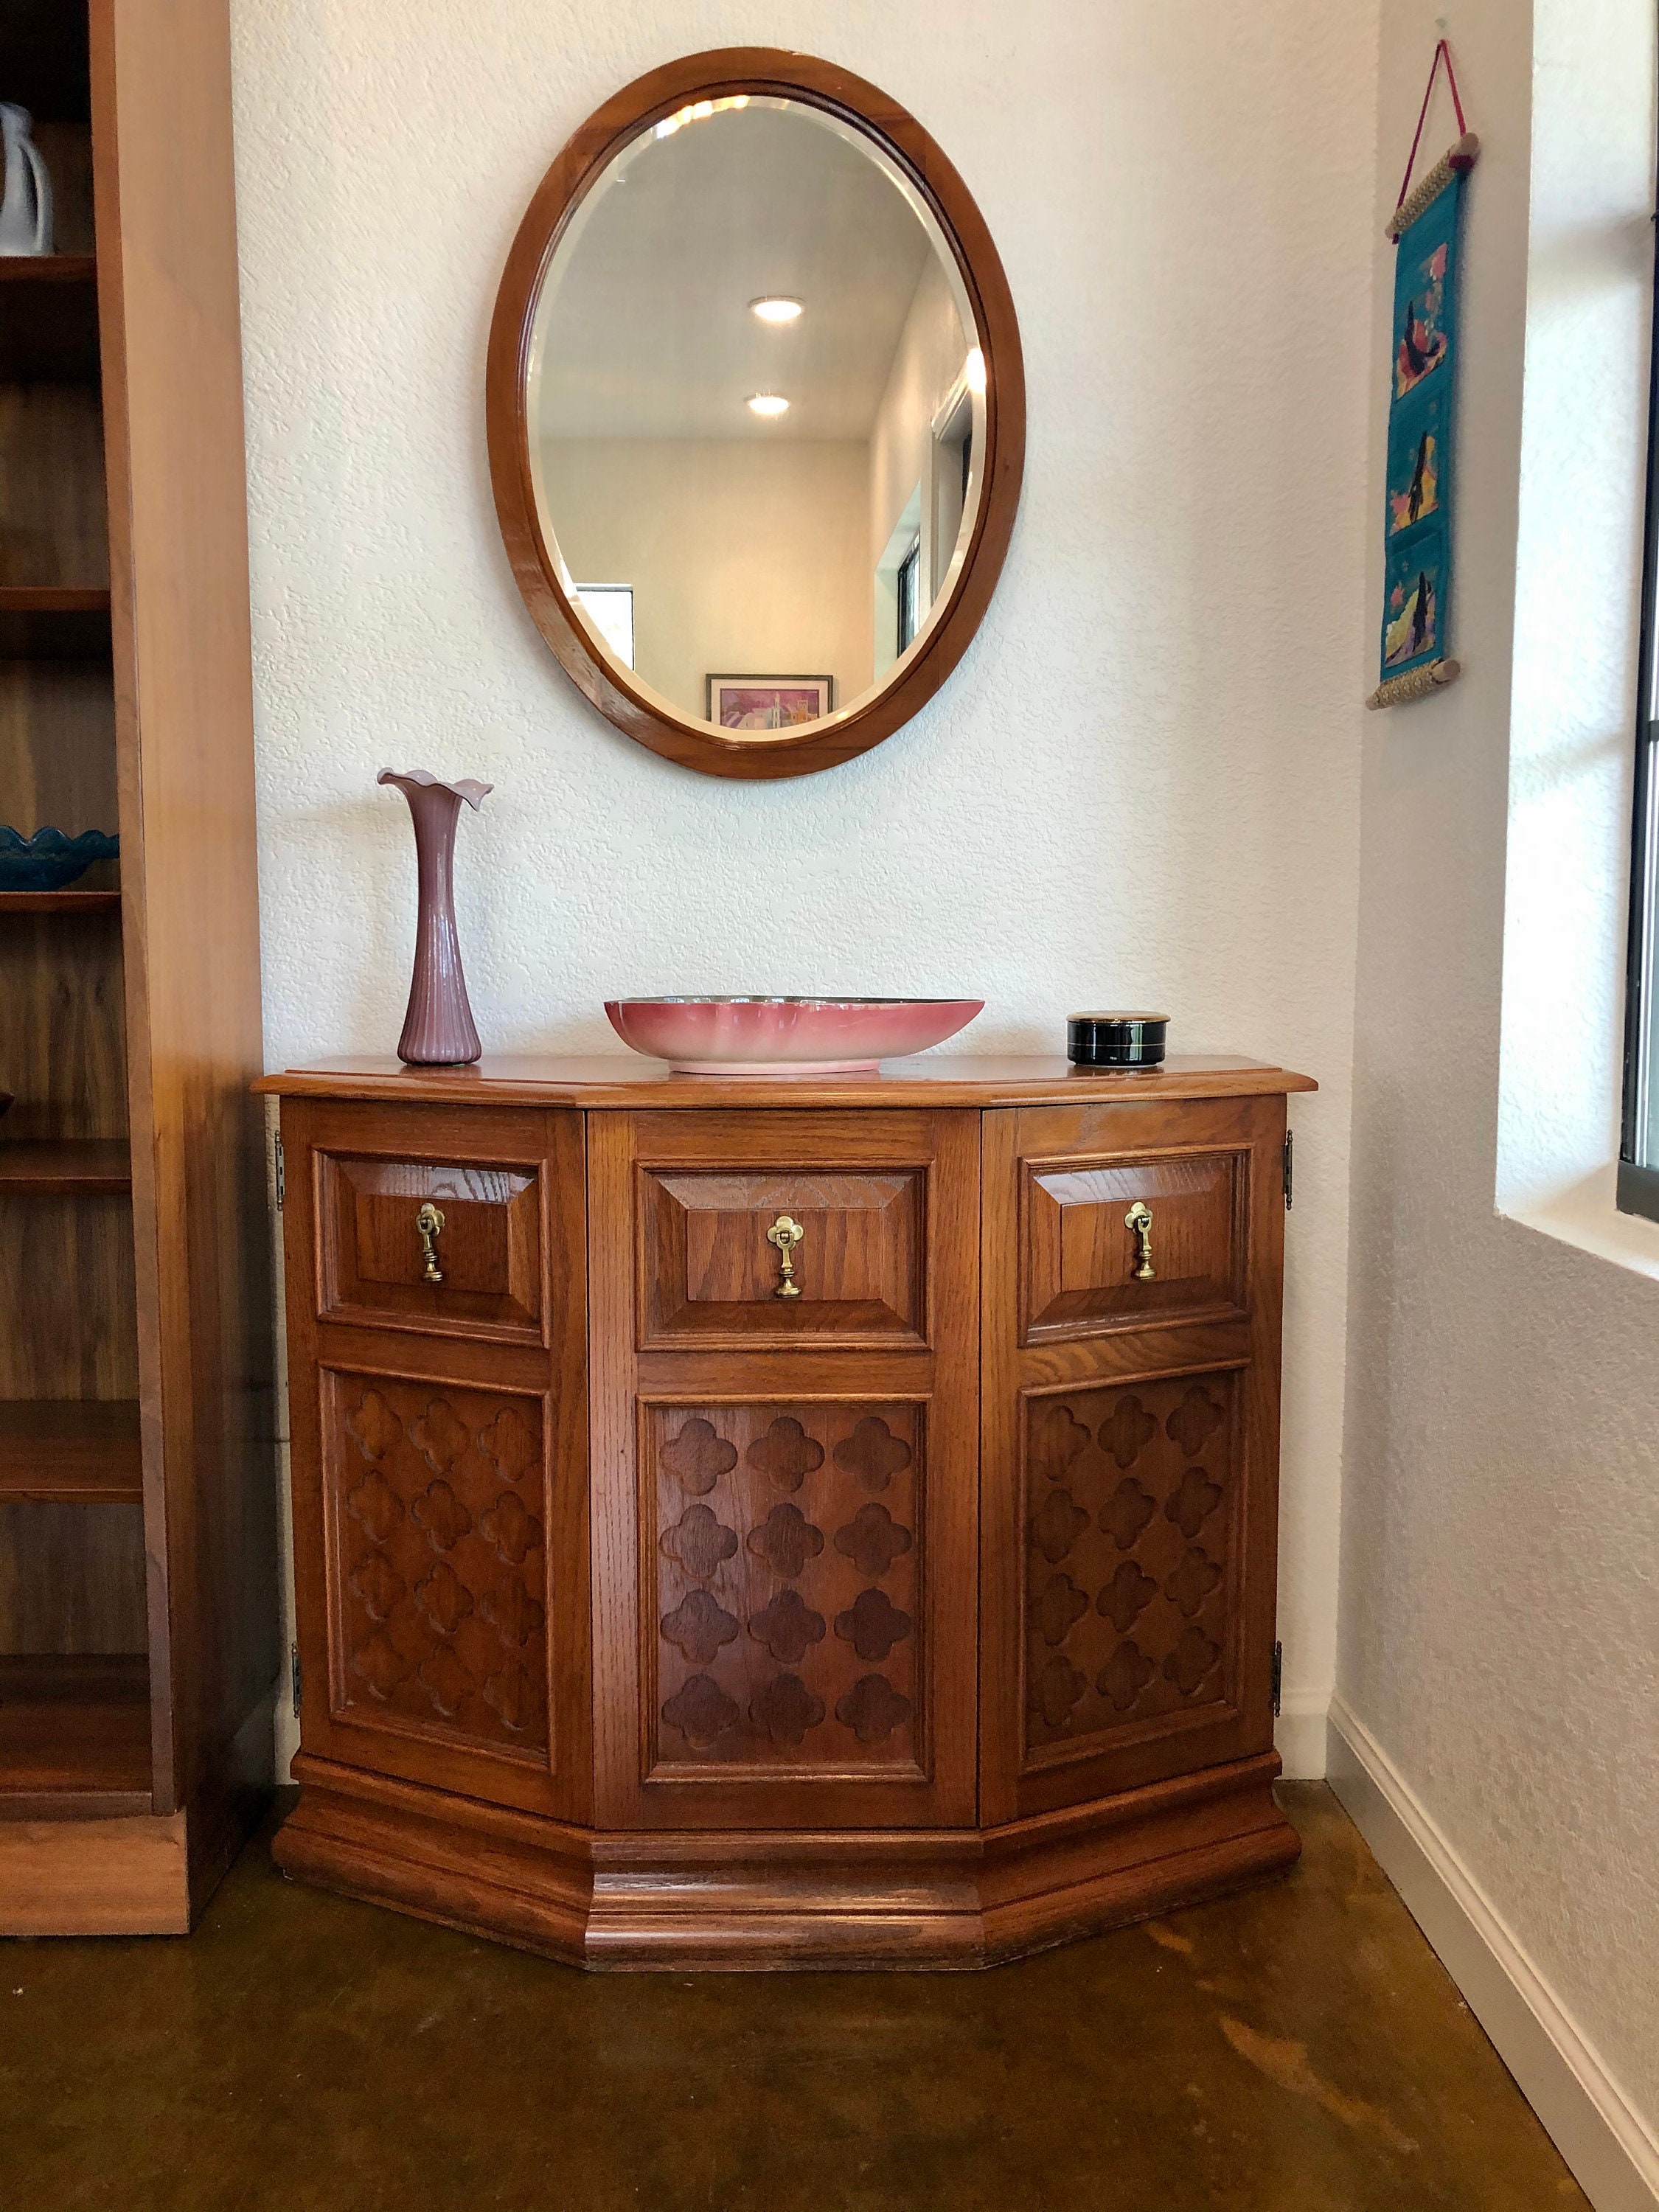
{"x": 767, "y": 404}
{"x": 775, "y": 309}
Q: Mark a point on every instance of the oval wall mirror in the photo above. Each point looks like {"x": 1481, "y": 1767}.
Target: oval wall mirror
{"x": 757, "y": 413}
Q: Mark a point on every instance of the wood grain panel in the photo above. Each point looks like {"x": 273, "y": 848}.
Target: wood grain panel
{"x": 58, "y": 752}
{"x": 70, "y": 1452}
{"x": 66, "y": 1290}
{"x": 1099, "y": 1528}
{"x": 71, "y": 1579}
{"x": 425, "y": 1543}
{"x": 935, "y": 1080}
{"x": 1081, "y": 1254}
{"x": 77, "y": 1726}
{"x": 53, "y": 528}
{"x": 168, "y": 304}
{"x": 710, "y": 1276}
{"x": 650, "y": 1411}
{"x": 62, "y": 1030}
{"x": 488, "y": 1250}
{"x": 125, "y": 1877}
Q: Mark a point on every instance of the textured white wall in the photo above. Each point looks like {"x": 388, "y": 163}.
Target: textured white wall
{"x": 1141, "y": 784}
{"x": 1500, "y": 1533}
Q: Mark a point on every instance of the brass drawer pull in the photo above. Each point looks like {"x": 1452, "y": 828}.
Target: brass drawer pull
{"x": 1139, "y": 1219}
{"x": 786, "y": 1235}
{"x": 427, "y": 1222}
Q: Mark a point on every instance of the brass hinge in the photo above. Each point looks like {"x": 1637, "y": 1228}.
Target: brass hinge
{"x": 1278, "y": 1678}
{"x": 1290, "y": 1168}
{"x": 281, "y": 1191}
{"x": 293, "y": 1671}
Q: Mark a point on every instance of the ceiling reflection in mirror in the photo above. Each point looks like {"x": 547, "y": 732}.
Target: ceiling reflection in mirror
{"x": 756, "y": 414}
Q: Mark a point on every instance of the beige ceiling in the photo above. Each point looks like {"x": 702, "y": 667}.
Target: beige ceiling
{"x": 649, "y": 333}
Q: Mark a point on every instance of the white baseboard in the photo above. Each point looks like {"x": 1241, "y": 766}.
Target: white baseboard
{"x": 1299, "y": 1734}
{"x": 1610, "y": 2148}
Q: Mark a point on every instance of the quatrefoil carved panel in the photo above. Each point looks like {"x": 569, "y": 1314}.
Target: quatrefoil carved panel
{"x": 1057, "y": 1437}
{"x": 873, "y": 1540}
{"x": 508, "y": 1441}
{"x": 699, "y": 1542}
{"x": 1059, "y": 1607}
{"x": 784, "y": 1711}
{"x": 440, "y": 1436}
{"x": 786, "y": 1693}
{"x": 786, "y": 1539}
{"x": 786, "y": 1454}
{"x": 375, "y": 1426}
{"x": 1057, "y": 1524}
{"x": 873, "y": 1709}
{"x": 873, "y": 1625}
{"x": 872, "y": 1453}
{"x": 433, "y": 1635}
{"x": 1136, "y": 1626}
{"x": 444, "y": 1598}
{"x": 379, "y": 1584}
{"x": 509, "y": 1529}
{"x": 698, "y": 1457}
{"x": 1195, "y": 1420}
{"x": 441, "y": 1514}
{"x": 1129, "y": 1427}
{"x": 701, "y": 1711}
{"x": 788, "y": 1627}
{"x": 376, "y": 1504}
{"x": 1127, "y": 1596}
{"x": 699, "y": 1627}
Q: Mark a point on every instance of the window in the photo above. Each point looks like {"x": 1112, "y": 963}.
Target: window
{"x": 909, "y": 595}
{"x": 1638, "y": 1154}
{"x": 611, "y": 606}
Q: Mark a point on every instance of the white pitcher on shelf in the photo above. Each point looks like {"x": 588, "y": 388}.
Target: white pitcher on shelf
{"x": 26, "y": 207}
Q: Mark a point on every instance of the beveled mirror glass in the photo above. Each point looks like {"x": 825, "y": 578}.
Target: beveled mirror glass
{"x": 755, "y": 413}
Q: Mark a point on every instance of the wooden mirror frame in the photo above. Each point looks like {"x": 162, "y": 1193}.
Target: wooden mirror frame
{"x": 758, "y": 71}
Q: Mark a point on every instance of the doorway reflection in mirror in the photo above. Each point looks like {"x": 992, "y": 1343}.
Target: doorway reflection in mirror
{"x": 756, "y": 390}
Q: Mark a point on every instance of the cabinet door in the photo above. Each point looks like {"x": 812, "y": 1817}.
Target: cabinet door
{"x": 1131, "y": 1266}
{"x": 439, "y": 1447}
{"x": 785, "y": 1467}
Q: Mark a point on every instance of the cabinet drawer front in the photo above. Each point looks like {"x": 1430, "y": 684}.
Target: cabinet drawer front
{"x": 1093, "y": 1228}
{"x": 850, "y": 1218}
{"x": 488, "y": 1251}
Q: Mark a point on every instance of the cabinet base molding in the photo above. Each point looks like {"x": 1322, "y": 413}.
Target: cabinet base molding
{"x": 675, "y": 1901}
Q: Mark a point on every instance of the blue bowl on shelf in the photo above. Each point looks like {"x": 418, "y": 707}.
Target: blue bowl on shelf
{"x": 49, "y": 860}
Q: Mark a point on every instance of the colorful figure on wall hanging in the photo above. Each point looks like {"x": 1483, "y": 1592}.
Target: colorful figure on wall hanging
{"x": 1417, "y": 569}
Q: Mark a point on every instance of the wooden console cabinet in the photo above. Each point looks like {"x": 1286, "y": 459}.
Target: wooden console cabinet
{"x": 652, "y": 1616}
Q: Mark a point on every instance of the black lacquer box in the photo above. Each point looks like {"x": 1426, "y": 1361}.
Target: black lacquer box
{"x": 1116, "y": 1039}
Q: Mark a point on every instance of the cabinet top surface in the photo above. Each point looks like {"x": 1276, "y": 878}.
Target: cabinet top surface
{"x": 614, "y": 1079}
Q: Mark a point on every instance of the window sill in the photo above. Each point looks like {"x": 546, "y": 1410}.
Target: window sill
{"x": 1588, "y": 1216}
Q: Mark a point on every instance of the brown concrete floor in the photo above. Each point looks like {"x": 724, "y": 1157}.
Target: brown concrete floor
{"x": 1297, "y": 2049}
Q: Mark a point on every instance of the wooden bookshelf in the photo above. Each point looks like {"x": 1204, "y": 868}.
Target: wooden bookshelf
{"x": 71, "y": 1451}
{"x": 73, "y": 1727}
{"x": 68, "y": 902}
{"x": 49, "y": 319}
{"x": 138, "y": 1630}
{"x": 53, "y": 621}
{"x": 66, "y": 1167}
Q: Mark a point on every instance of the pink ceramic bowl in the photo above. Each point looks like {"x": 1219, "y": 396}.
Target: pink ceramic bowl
{"x": 785, "y": 1037}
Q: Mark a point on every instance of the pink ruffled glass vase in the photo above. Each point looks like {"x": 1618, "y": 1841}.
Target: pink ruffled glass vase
{"x": 439, "y": 1030}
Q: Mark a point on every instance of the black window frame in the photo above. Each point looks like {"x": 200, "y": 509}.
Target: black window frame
{"x": 1638, "y": 1176}
{"x": 908, "y": 591}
